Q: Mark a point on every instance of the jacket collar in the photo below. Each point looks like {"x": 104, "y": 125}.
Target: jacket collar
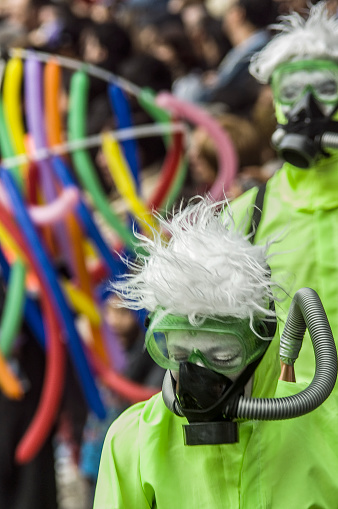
{"x": 313, "y": 189}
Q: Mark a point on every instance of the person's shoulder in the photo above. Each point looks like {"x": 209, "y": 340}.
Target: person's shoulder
{"x": 241, "y": 208}
{"x": 246, "y": 198}
{"x": 128, "y": 423}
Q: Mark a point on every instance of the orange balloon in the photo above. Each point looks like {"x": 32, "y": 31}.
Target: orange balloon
{"x": 85, "y": 283}
{"x": 9, "y": 384}
{"x": 52, "y": 81}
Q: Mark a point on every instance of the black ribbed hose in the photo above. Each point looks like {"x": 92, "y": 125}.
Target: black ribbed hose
{"x": 306, "y": 311}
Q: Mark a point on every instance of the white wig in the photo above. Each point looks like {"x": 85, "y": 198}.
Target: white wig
{"x": 206, "y": 269}
{"x": 299, "y": 39}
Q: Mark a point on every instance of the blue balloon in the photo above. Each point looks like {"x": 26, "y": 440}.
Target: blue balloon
{"x": 5, "y": 269}
{"x": 120, "y": 107}
{"x": 74, "y": 341}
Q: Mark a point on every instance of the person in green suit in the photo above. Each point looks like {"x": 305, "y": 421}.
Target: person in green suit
{"x": 209, "y": 440}
{"x": 299, "y": 205}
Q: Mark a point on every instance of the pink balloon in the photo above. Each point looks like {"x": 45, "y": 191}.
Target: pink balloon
{"x": 228, "y": 161}
{"x": 56, "y": 209}
{"x": 3, "y": 197}
{"x": 53, "y": 211}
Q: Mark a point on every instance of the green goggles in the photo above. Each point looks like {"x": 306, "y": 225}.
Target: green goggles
{"x": 290, "y": 81}
{"x": 224, "y": 346}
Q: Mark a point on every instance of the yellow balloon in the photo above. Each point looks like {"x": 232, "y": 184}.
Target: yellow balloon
{"x": 10, "y": 244}
{"x": 89, "y": 250}
{"x": 13, "y": 105}
{"x": 125, "y": 183}
{"x": 82, "y": 303}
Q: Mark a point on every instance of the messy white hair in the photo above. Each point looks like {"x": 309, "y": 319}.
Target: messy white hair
{"x": 299, "y": 39}
{"x": 207, "y": 268}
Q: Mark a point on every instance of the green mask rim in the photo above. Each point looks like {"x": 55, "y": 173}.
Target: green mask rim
{"x": 300, "y": 65}
{"x": 253, "y": 347}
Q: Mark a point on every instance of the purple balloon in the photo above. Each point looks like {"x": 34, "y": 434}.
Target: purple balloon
{"x": 36, "y": 128}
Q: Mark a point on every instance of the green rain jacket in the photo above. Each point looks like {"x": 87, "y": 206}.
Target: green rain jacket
{"x": 288, "y": 464}
{"x": 300, "y": 213}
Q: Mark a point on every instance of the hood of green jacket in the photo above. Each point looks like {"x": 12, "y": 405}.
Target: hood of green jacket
{"x": 268, "y": 371}
{"x": 311, "y": 189}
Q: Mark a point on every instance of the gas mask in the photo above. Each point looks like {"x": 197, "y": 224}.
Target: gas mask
{"x": 209, "y": 369}
{"x": 306, "y": 97}
{"x": 213, "y": 362}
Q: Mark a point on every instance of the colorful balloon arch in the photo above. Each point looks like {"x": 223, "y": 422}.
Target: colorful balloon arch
{"x": 44, "y": 217}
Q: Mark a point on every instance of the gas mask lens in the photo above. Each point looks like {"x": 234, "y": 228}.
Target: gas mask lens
{"x": 219, "y": 352}
{"x": 291, "y": 81}
{"x": 323, "y": 86}
{"x": 222, "y": 347}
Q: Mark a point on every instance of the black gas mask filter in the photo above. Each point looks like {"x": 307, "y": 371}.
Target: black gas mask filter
{"x": 307, "y": 133}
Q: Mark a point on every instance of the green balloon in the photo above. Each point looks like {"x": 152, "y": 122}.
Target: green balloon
{"x": 7, "y": 147}
{"x": 83, "y": 165}
{"x": 13, "y": 308}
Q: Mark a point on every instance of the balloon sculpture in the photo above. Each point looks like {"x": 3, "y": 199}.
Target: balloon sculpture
{"x": 44, "y": 216}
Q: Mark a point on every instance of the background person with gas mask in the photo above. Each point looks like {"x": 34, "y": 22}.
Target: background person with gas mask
{"x": 299, "y": 204}
{"x": 209, "y": 440}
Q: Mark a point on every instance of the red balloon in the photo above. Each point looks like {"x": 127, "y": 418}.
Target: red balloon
{"x": 50, "y": 399}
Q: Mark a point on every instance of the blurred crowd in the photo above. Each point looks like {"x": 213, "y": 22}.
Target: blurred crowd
{"x": 199, "y": 50}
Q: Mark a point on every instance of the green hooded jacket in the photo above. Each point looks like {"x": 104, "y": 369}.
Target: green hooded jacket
{"x": 284, "y": 464}
{"x": 300, "y": 214}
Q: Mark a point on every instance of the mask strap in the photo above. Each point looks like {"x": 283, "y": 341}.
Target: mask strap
{"x": 169, "y": 394}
